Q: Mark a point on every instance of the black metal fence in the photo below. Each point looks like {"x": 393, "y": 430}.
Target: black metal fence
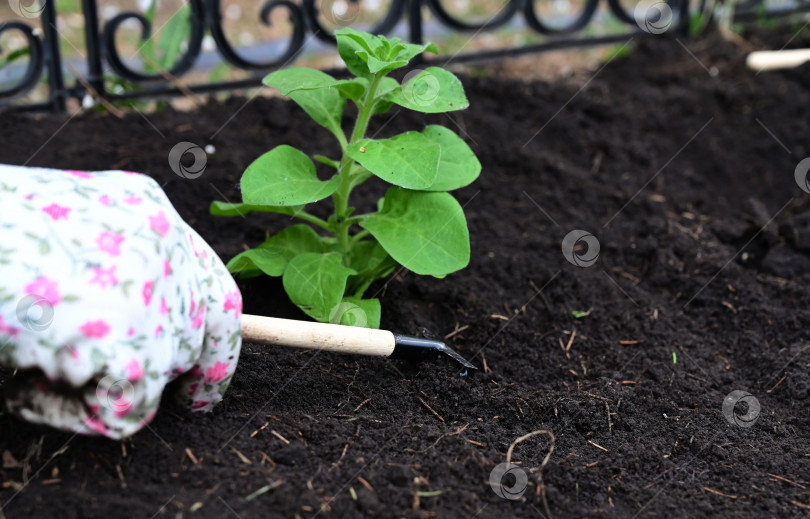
{"x": 205, "y": 17}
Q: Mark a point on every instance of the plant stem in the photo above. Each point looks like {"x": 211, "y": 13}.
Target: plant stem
{"x": 365, "y": 281}
{"x": 359, "y": 236}
{"x": 356, "y": 219}
{"x": 314, "y": 220}
{"x": 341, "y": 196}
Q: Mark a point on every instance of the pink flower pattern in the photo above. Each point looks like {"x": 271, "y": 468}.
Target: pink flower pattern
{"x": 95, "y": 329}
{"x": 233, "y": 301}
{"x": 216, "y": 372}
{"x": 110, "y": 242}
{"x": 105, "y": 200}
{"x": 122, "y": 407}
{"x": 133, "y": 200}
{"x": 199, "y": 319}
{"x": 105, "y": 277}
{"x": 57, "y": 211}
{"x": 191, "y": 242}
{"x": 148, "y": 289}
{"x": 134, "y": 371}
{"x": 94, "y": 423}
{"x": 44, "y": 288}
{"x": 159, "y": 224}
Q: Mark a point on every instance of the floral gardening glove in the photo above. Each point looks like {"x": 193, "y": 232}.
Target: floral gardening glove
{"x": 106, "y": 296}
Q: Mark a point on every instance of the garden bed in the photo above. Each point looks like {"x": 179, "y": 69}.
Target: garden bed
{"x": 682, "y": 175}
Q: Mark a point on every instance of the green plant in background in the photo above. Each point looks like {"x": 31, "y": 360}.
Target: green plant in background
{"x": 158, "y": 53}
{"x": 417, "y": 223}
{"x": 14, "y": 56}
{"x": 619, "y": 51}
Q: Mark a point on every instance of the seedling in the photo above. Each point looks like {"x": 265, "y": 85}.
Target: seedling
{"x": 417, "y": 225}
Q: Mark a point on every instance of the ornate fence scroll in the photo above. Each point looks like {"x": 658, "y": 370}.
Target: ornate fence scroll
{"x": 205, "y": 17}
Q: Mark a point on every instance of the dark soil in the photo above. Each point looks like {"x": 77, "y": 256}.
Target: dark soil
{"x": 687, "y": 181}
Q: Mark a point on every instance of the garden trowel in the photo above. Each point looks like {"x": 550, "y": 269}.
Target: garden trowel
{"x": 343, "y": 339}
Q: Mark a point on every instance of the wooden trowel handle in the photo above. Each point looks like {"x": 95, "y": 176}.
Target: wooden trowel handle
{"x": 772, "y": 60}
{"x": 317, "y": 336}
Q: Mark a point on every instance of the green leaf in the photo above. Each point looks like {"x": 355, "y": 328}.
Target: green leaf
{"x": 284, "y": 176}
{"x": 372, "y": 262}
{"x": 350, "y": 44}
{"x": 353, "y": 89}
{"x": 316, "y": 282}
{"x": 458, "y": 165}
{"x": 173, "y": 35}
{"x": 393, "y": 55}
{"x": 232, "y": 209}
{"x": 272, "y": 256}
{"x": 253, "y": 262}
{"x": 14, "y": 56}
{"x": 383, "y": 66}
{"x": 356, "y": 89}
{"x": 367, "y": 255}
{"x": 323, "y": 103}
{"x": 366, "y": 55}
{"x": 294, "y": 240}
{"x": 289, "y": 80}
{"x": 257, "y": 493}
{"x": 426, "y": 232}
{"x": 147, "y": 48}
{"x": 382, "y": 107}
{"x": 408, "y": 51}
{"x": 433, "y": 90}
{"x": 408, "y": 160}
{"x": 359, "y": 175}
{"x": 353, "y": 311}
{"x": 386, "y": 86}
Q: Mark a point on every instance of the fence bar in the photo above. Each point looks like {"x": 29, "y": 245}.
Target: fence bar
{"x": 95, "y": 70}
{"x": 53, "y": 58}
